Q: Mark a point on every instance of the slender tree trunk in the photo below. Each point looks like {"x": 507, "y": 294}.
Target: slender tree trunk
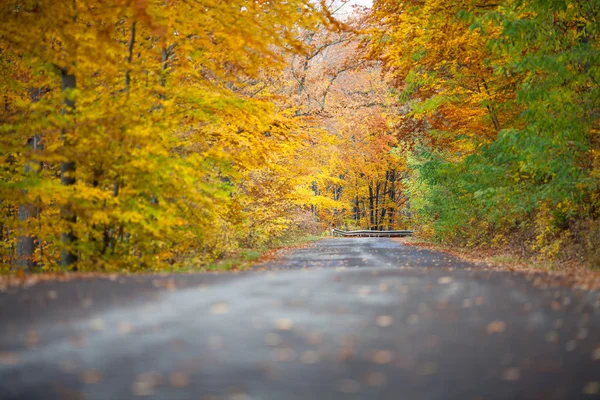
{"x": 357, "y": 209}
{"x": 109, "y": 240}
{"x": 371, "y": 207}
{"x": 392, "y": 199}
{"x": 491, "y": 110}
{"x": 385, "y": 193}
{"x": 67, "y": 178}
{"x": 130, "y": 57}
{"x": 26, "y": 240}
{"x": 376, "y": 210}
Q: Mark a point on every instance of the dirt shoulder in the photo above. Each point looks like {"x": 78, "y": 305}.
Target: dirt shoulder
{"x": 543, "y": 273}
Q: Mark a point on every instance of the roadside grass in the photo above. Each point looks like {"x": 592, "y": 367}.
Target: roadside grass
{"x": 240, "y": 260}
{"x": 244, "y": 259}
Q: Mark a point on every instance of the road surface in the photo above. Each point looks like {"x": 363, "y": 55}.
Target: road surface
{"x": 356, "y": 318}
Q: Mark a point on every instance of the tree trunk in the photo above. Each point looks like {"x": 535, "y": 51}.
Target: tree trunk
{"x": 26, "y": 241}
{"x": 130, "y": 57}
{"x": 67, "y": 178}
{"x": 385, "y": 193}
{"x": 371, "y": 207}
{"x": 376, "y": 210}
{"x": 392, "y": 199}
{"x": 491, "y": 110}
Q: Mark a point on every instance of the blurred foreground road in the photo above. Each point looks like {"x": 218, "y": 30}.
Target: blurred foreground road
{"x": 363, "y": 318}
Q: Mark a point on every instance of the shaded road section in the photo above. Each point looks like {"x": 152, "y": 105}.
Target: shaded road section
{"x": 343, "y": 319}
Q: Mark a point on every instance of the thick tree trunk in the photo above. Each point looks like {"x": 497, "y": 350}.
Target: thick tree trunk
{"x": 67, "y": 178}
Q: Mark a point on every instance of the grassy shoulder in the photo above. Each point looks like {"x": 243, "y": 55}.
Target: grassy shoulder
{"x": 244, "y": 259}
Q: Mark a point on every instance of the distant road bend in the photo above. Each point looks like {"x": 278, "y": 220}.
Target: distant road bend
{"x": 345, "y": 318}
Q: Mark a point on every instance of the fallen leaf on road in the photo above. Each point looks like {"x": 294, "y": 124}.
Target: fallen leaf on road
{"x": 345, "y": 353}
{"x": 496, "y": 327}
{"x": 32, "y": 339}
{"x": 384, "y": 321}
{"x": 91, "y": 377}
{"x": 168, "y": 284}
{"x": 52, "y": 295}
{"x": 8, "y": 358}
{"x": 219, "y": 308}
{"x": 284, "y": 324}
{"x": 596, "y": 354}
{"x": 512, "y": 374}
{"x": 382, "y": 357}
{"x": 375, "y": 379}
{"x": 145, "y": 383}
{"x": 444, "y": 280}
{"x": 179, "y": 379}
{"x": 97, "y": 324}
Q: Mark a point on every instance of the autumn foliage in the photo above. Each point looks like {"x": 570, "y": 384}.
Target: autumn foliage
{"x": 505, "y": 95}
{"x": 133, "y": 135}
{"x": 140, "y": 135}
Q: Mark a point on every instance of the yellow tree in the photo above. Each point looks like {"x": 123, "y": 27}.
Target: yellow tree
{"x": 142, "y": 120}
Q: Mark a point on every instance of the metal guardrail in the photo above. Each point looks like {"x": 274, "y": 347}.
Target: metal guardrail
{"x": 367, "y": 233}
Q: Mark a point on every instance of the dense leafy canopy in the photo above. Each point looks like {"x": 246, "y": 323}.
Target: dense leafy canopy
{"x": 508, "y": 93}
{"x": 132, "y": 133}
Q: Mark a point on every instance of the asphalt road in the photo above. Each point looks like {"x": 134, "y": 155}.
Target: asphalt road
{"x": 344, "y": 319}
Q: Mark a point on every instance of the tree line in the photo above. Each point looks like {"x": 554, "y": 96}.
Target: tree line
{"x": 143, "y": 135}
